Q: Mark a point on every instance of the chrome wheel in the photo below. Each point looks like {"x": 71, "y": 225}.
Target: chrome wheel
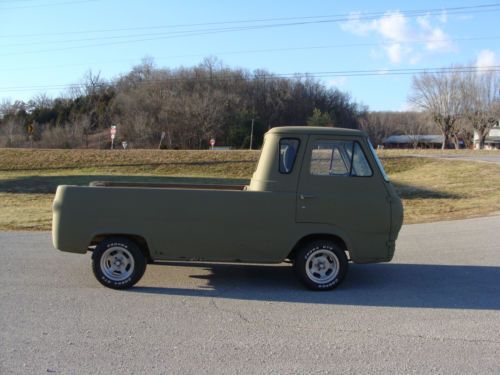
{"x": 117, "y": 263}
{"x": 322, "y": 266}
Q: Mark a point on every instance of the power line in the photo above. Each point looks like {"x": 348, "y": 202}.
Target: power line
{"x": 347, "y": 45}
{"x": 270, "y": 50}
{"x": 325, "y": 74}
{"x": 198, "y": 32}
{"x": 342, "y": 17}
{"x": 177, "y": 34}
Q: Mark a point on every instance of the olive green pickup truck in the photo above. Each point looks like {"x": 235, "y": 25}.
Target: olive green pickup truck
{"x": 318, "y": 198}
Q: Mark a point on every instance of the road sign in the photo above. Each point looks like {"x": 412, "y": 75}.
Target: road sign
{"x": 212, "y": 142}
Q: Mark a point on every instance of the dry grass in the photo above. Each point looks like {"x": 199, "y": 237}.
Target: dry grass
{"x": 25, "y": 211}
{"x": 436, "y": 152}
{"x": 431, "y": 189}
{"x": 435, "y": 189}
{"x": 192, "y": 163}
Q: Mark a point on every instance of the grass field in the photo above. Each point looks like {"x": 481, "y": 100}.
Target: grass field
{"x": 432, "y": 189}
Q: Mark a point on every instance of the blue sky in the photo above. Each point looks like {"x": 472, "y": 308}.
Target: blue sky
{"x": 47, "y": 44}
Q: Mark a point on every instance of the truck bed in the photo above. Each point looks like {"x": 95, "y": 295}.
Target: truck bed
{"x": 167, "y": 186}
{"x": 178, "y": 223}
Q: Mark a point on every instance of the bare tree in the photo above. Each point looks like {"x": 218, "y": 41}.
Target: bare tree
{"x": 207, "y": 112}
{"x": 440, "y": 95}
{"x": 380, "y": 125}
{"x": 7, "y": 108}
{"x": 415, "y": 127}
{"x": 144, "y": 106}
{"x": 480, "y": 96}
{"x": 42, "y": 101}
{"x": 92, "y": 83}
{"x": 11, "y": 134}
{"x": 189, "y": 104}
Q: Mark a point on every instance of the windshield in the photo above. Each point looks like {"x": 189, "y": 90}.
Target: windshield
{"x": 379, "y": 163}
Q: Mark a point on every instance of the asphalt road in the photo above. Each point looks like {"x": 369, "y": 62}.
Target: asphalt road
{"x": 494, "y": 157}
{"x": 434, "y": 309}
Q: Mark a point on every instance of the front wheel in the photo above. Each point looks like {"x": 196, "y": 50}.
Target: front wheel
{"x": 321, "y": 265}
{"x": 118, "y": 263}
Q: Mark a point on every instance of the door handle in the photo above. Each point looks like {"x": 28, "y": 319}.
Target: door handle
{"x": 307, "y": 196}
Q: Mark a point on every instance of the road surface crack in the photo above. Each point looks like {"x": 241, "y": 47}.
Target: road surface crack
{"x": 237, "y": 313}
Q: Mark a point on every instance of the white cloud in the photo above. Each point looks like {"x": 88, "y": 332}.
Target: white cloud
{"x": 486, "y": 58}
{"x": 435, "y": 38}
{"x": 356, "y": 26}
{"x": 439, "y": 41}
{"x": 400, "y": 34}
{"x": 424, "y": 22}
{"x": 394, "y": 53}
{"x": 393, "y": 26}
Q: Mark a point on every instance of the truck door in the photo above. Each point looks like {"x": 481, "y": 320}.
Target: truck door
{"x": 339, "y": 187}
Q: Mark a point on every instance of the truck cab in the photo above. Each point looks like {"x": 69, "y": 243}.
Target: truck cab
{"x": 339, "y": 183}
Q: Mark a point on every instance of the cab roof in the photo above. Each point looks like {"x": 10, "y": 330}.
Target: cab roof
{"x": 317, "y": 130}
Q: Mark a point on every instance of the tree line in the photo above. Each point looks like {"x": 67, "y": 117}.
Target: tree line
{"x": 459, "y": 100}
{"x": 189, "y": 106}
{"x": 184, "y": 108}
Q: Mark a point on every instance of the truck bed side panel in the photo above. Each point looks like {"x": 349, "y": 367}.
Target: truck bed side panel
{"x": 179, "y": 224}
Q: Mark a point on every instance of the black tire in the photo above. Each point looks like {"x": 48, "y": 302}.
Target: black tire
{"x": 118, "y": 263}
{"x": 321, "y": 265}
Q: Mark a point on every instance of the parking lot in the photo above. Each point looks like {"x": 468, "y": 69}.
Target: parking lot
{"x": 434, "y": 309}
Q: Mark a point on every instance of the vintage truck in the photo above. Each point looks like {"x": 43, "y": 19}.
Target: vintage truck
{"x": 318, "y": 198}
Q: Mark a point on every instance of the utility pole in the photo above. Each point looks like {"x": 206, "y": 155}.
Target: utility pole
{"x": 251, "y": 136}
{"x": 161, "y": 139}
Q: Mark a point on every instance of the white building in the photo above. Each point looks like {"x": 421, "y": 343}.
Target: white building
{"x": 492, "y": 140}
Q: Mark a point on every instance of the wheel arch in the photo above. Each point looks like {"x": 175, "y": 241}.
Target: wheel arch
{"x": 139, "y": 240}
{"x": 318, "y": 236}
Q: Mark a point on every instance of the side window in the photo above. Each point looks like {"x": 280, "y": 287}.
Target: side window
{"x": 338, "y": 158}
{"x": 288, "y": 154}
{"x": 360, "y": 166}
{"x": 329, "y": 158}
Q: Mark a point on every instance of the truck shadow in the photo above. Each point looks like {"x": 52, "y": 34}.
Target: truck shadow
{"x": 384, "y": 285}
{"x": 48, "y": 184}
{"x": 128, "y": 165}
{"x": 406, "y": 191}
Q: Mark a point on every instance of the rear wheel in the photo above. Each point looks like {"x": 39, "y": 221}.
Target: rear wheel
{"x": 321, "y": 265}
{"x": 118, "y": 262}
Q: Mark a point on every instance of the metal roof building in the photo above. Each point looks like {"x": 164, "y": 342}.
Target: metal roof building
{"x": 411, "y": 141}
